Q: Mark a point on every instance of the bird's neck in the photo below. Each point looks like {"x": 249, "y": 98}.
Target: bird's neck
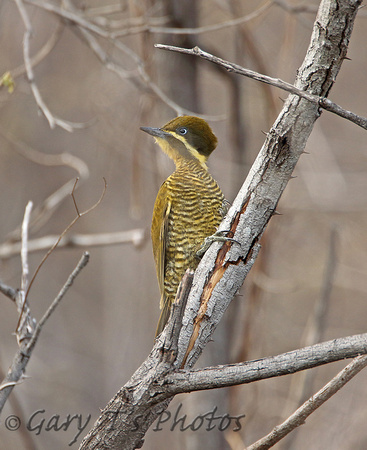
{"x": 190, "y": 164}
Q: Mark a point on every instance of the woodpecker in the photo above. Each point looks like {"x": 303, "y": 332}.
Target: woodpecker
{"x": 189, "y": 206}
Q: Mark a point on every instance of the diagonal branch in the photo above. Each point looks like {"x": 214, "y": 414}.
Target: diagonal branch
{"x": 322, "y": 102}
{"x": 299, "y": 417}
{"x": 224, "y": 267}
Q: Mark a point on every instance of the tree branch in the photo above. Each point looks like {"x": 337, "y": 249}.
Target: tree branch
{"x": 322, "y": 102}
{"x": 52, "y": 119}
{"x": 27, "y": 343}
{"x": 136, "y": 237}
{"x": 223, "y": 268}
{"x": 299, "y": 417}
{"x": 184, "y": 381}
{"x": 8, "y": 291}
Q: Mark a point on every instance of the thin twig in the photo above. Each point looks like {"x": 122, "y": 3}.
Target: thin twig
{"x": 87, "y": 28}
{"x": 25, "y": 268}
{"x": 28, "y": 341}
{"x": 322, "y": 102}
{"x": 71, "y": 224}
{"x": 138, "y": 76}
{"x": 80, "y": 266}
{"x": 299, "y": 417}
{"x": 24, "y": 249}
{"x": 52, "y": 119}
{"x": 70, "y": 16}
{"x": 42, "y": 53}
{"x": 135, "y": 236}
{"x": 198, "y": 30}
{"x": 79, "y": 215}
{"x": 45, "y": 210}
{"x": 8, "y": 291}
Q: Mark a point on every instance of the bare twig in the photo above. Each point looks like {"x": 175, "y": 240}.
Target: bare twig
{"x": 8, "y": 291}
{"x": 80, "y": 21}
{"x": 87, "y": 29}
{"x": 21, "y": 297}
{"x": 24, "y": 247}
{"x": 299, "y": 417}
{"x": 198, "y": 30}
{"x": 45, "y": 210}
{"x": 46, "y": 159}
{"x": 136, "y": 237}
{"x": 137, "y": 76}
{"x": 322, "y": 102}
{"x": 71, "y": 224}
{"x": 42, "y": 53}
{"x": 52, "y": 119}
{"x": 79, "y": 215}
{"x": 70, "y": 16}
{"x": 16, "y": 405}
{"x": 26, "y": 344}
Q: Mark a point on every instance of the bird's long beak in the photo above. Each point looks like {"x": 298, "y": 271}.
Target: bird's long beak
{"x": 156, "y": 132}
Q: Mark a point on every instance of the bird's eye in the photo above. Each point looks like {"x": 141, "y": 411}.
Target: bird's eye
{"x": 182, "y": 130}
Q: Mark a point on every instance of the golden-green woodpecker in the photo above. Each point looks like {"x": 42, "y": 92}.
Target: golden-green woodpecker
{"x": 189, "y": 205}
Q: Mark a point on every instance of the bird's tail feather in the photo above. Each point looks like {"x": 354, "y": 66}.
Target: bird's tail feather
{"x": 163, "y": 318}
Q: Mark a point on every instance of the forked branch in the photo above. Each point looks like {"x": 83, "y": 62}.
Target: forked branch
{"x": 223, "y": 268}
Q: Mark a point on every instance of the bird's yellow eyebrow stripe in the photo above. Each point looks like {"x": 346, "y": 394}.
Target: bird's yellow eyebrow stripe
{"x": 189, "y": 147}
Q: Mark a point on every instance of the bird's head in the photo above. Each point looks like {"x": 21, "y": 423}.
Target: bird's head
{"x": 185, "y": 137}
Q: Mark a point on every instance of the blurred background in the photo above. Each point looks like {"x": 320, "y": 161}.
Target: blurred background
{"x": 102, "y": 79}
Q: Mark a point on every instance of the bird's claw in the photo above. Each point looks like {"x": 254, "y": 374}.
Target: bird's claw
{"x": 218, "y": 236}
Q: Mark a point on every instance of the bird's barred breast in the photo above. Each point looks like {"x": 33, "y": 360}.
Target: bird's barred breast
{"x": 195, "y": 214}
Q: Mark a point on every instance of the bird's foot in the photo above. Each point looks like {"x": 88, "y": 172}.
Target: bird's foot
{"x": 218, "y": 236}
